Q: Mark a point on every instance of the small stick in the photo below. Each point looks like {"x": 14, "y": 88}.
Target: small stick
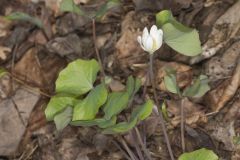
{"x": 96, "y": 49}
{"x": 133, "y": 136}
{"x": 131, "y": 154}
{"x": 182, "y": 125}
{"x": 124, "y": 153}
{"x": 139, "y": 137}
{"x": 160, "y": 113}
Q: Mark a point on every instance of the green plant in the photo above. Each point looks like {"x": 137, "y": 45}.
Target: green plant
{"x": 24, "y": 17}
{"x": 70, "y": 6}
{"x": 197, "y": 89}
{"x": 201, "y": 154}
{"x": 182, "y": 39}
{"x": 79, "y": 102}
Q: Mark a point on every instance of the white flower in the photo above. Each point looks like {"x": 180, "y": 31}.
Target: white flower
{"x": 151, "y": 42}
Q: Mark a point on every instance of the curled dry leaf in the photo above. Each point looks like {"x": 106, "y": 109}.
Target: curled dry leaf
{"x": 183, "y": 73}
{"x": 224, "y": 29}
{"x": 218, "y": 97}
{"x": 4, "y": 53}
{"x": 65, "y": 46}
{"x": 193, "y": 112}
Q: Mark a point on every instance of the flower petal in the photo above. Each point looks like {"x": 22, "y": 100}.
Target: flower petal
{"x": 157, "y": 37}
{"x": 160, "y": 31}
{"x": 145, "y": 34}
{"x": 149, "y": 44}
{"x": 139, "y": 39}
{"x": 153, "y": 30}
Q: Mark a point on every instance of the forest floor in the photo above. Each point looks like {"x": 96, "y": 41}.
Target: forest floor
{"x": 34, "y": 58}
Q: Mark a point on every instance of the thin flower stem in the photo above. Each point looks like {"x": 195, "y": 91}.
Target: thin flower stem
{"x": 136, "y": 145}
{"x": 96, "y": 50}
{"x": 182, "y": 125}
{"x": 123, "y": 152}
{"x": 145, "y": 150}
{"x": 130, "y": 153}
{"x": 157, "y": 103}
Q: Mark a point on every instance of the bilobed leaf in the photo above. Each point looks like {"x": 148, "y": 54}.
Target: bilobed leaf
{"x": 138, "y": 114}
{"x": 179, "y": 37}
{"x": 117, "y": 101}
{"x": 70, "y": 6}
{"x": 201, "y": 154}
{"x": 62, "y": 119}
{"x": 143, "y": 111}
{"x": 170, "y": 82}
{"x": 77, "y": 78}
{"x": 57, "y": 104}
{"x": 100, "y": 122}
{"x": 198, "y": 88}
{"x": 105, "y": 7}
{"x": 88, "y": 107}
{"x": 25, "y": 17}
{"x": 186, "y": 43}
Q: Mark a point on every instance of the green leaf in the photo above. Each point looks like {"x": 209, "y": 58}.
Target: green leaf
{"x": 105, "y": 7}
{"x": 78, "y": 77}
{"x": 117, "y": 101}
{"x": 166, "y": 16}
{"x": 57, "y": 104}
{"x": 133, "y": 85}
{"x": 163, "y": 17}
{"x": 2, "y": 72}
{"x": 88, "y": 107}
{"x": 70, "y": 6}
{"x": 25, "y": 17}
{"x": 164, "y": 111}
{"x": 63, "y": 119}
{"x": 170, "y": 82}
{"x": 138, "y": 114}
{"x": 198, "y": 88}
{"x": 201, "y": 154}
{"x": 186, "y": 43}
{"x": 179, "y": 37}
{"x": 100, "y": 122}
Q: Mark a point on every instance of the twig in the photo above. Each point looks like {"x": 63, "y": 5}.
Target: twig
{"x": 157, "y": 103}
{"x": 130, "y": 153}
{"x": 96, "y": 49}
{"x": 29, "y": 88}
{"x": 133, "y": 136}
{"x": 182, "y": 125}
{"x": 124, "y": 153}
{"x": 141, "y": 143}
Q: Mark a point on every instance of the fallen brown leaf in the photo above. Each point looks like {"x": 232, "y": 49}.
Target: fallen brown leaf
{"x": 193, "y": 112}
{"x": 183, "y": 73}
{"x": 218, "y": 97}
